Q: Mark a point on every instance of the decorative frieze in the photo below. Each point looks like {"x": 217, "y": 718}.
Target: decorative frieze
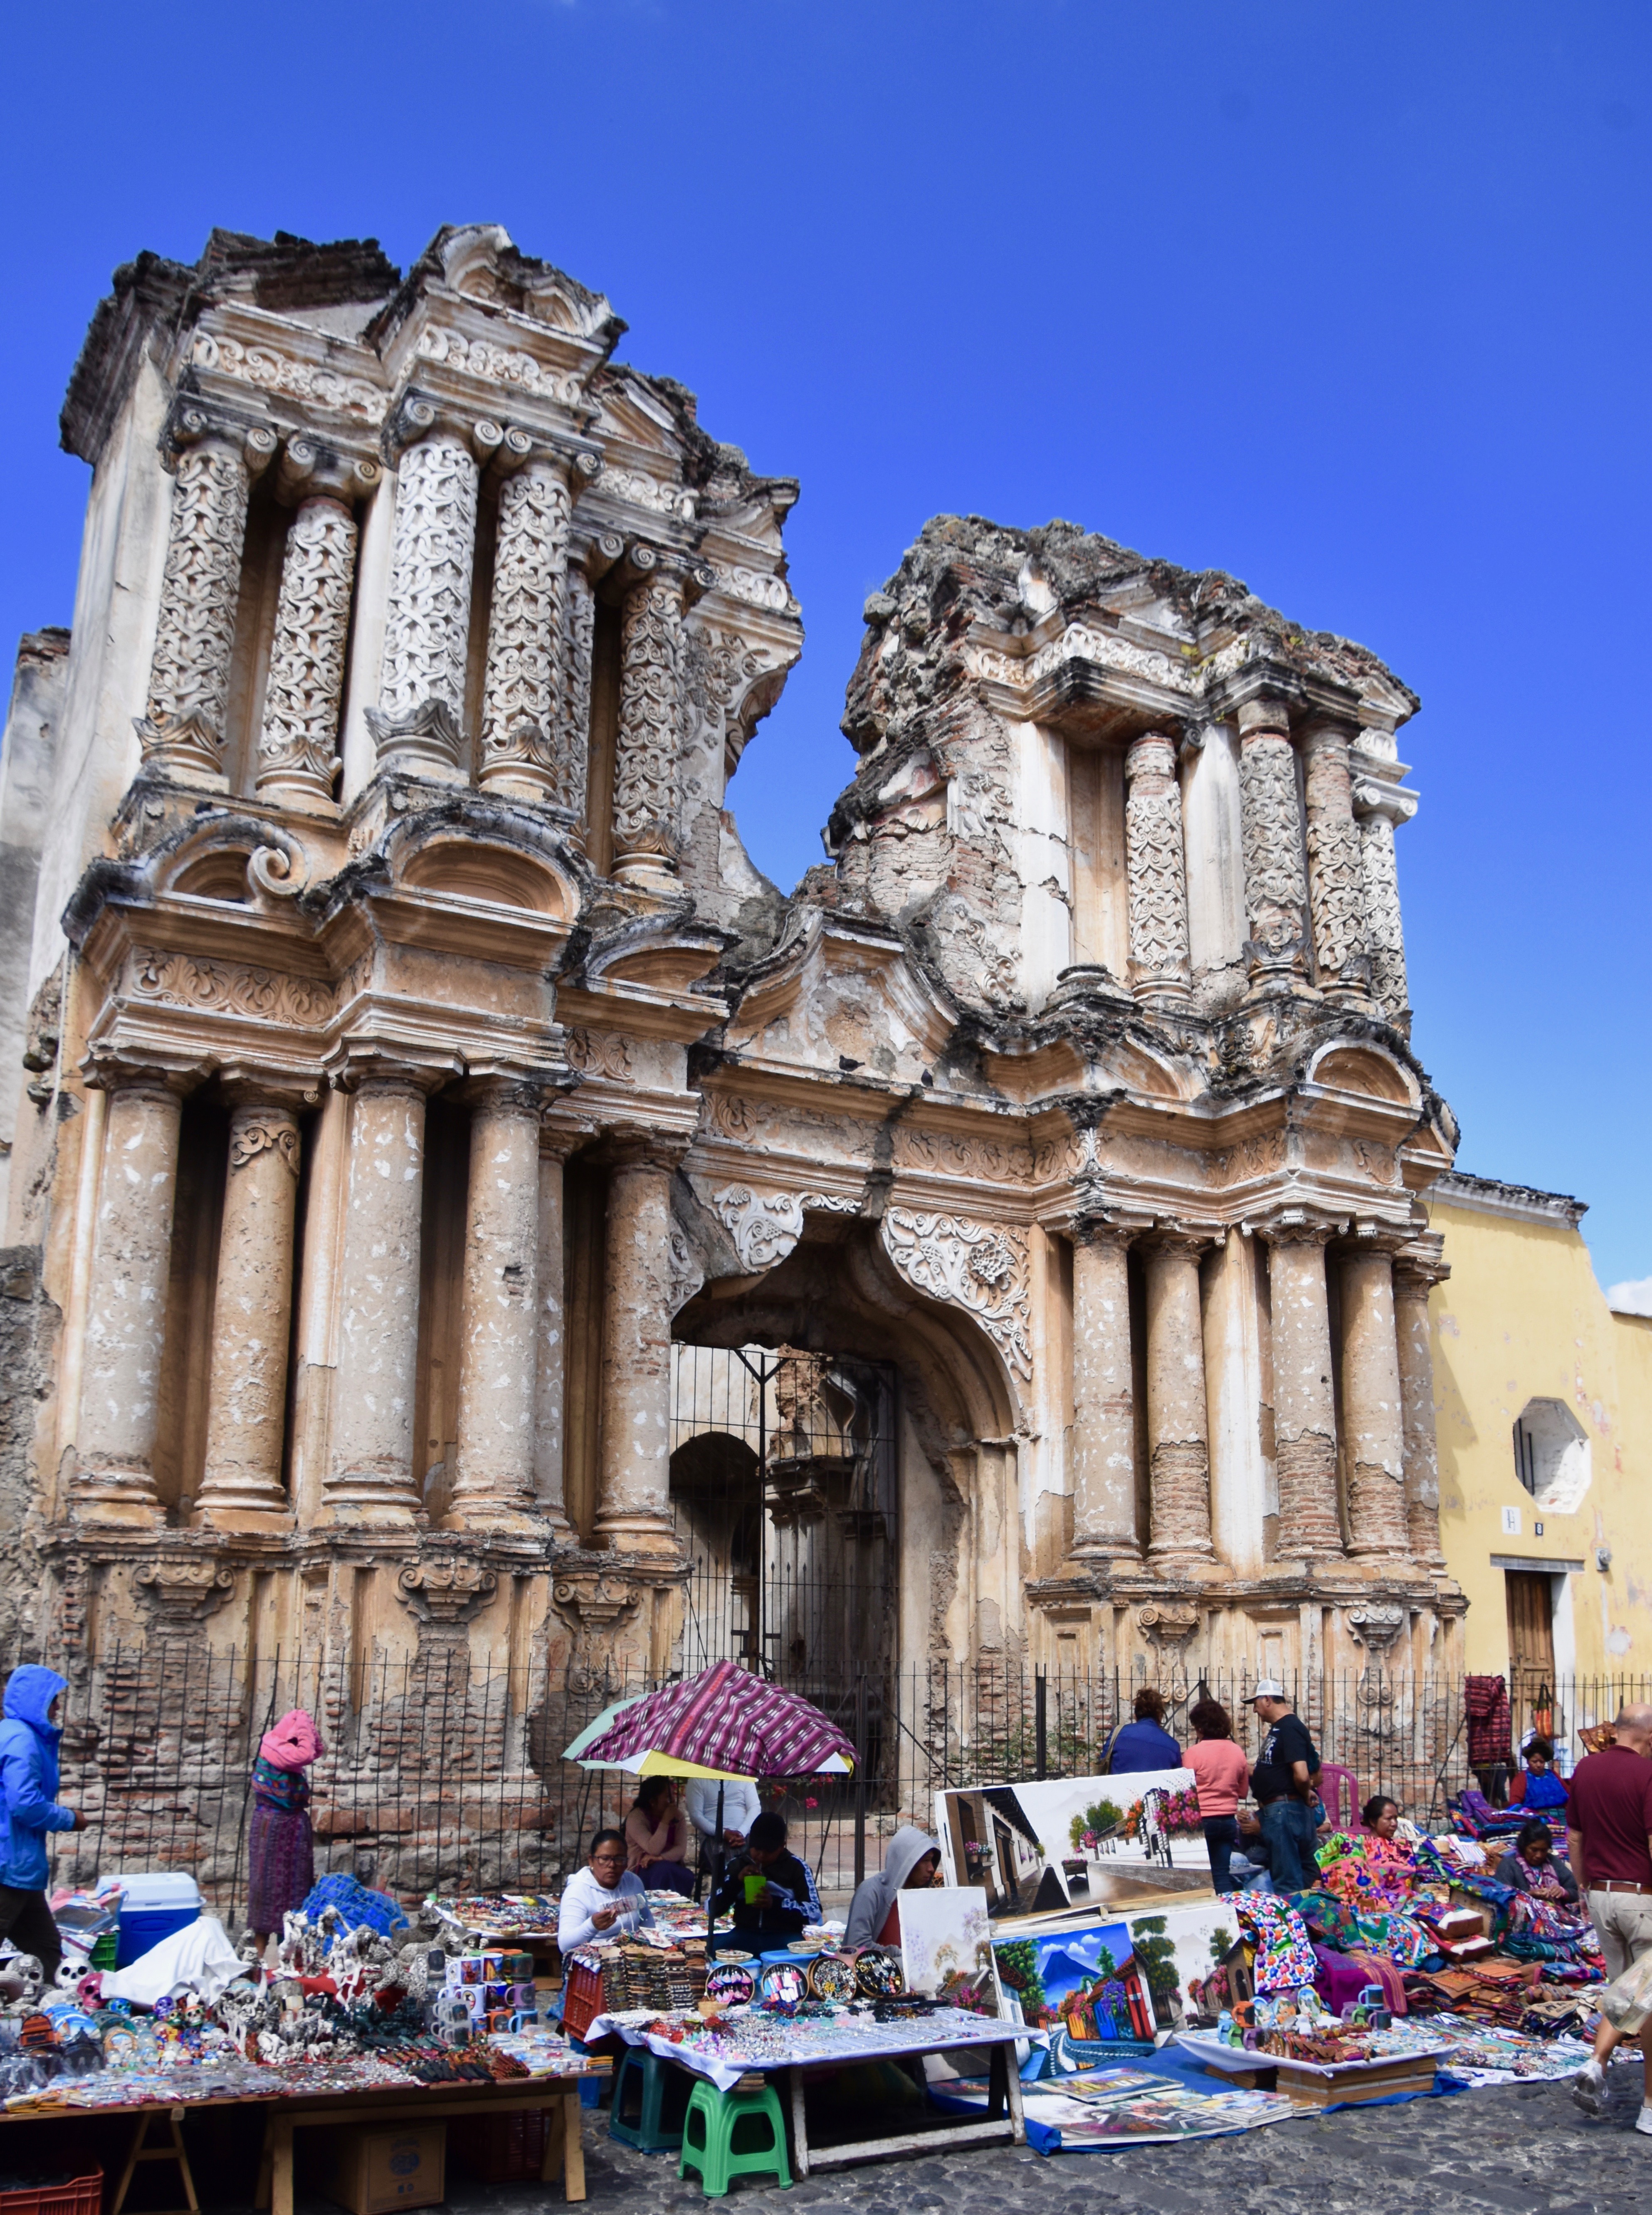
{"x": 269, "y": 369}
{"x": 229, "y": 988}
{"x": 763, "y": 1227}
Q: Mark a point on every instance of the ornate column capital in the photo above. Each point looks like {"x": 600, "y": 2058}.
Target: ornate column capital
{"x": 1185, "y": 1239}
{"x": 193, "y": 423}
{"x": 1299, "y": 1226}
{"x": 420, "y": 416}
{"x": 106, "y": 1069}
{"x": 1391, "y": 802}
{"x": 365, "y": 1070}
{"x": 1108, "y": 1226}
{"x": 311, "y": 469}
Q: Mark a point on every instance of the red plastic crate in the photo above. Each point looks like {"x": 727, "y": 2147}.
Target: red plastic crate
{"x": 582, "y": 1998}
{"x": 507, "y": 2148}
{"x": 84, "y": 2196}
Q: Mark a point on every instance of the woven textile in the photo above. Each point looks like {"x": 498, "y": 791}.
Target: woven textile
{"x": 1285, "y": 1957}
{"x": 1368, "y": 1873}
{"x": 725, "y": 1718}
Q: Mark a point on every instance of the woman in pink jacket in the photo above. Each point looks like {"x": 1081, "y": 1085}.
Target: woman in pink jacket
{"x": 1223, "y": 1776}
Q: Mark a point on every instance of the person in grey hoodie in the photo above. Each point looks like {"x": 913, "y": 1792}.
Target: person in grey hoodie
{"x": 909, "y": 1865}
{"x": 28, "y": 1809}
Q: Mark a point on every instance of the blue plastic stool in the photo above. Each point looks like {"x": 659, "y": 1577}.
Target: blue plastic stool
{"x": 590, "y": 2088}
{"x": 658, "y": 2091}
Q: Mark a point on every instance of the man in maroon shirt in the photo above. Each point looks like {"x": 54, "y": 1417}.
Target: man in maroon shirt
{"x": 1609, "y": 1839}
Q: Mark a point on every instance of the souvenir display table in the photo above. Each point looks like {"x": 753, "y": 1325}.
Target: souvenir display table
{"x": 802, "y": 2046}
{"x": 284, "y": 2114}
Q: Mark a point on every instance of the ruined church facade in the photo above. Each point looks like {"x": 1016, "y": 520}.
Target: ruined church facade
{"x": 416, "y": 1071}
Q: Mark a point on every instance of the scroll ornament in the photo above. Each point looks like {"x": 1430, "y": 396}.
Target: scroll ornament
{"x": 975, "y": 1264}
{"x": 765, "y": 1226}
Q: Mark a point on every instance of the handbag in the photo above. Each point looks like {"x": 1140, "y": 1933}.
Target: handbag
{"x": 1628, "y": 2003}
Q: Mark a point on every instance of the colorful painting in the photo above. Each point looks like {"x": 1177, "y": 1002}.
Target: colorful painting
{"x": 1193, "y": 1962}
{"x": 1035, "y": 1848}
{"x": 1082, "y": 1985}
{"x": 947, "y": 1949}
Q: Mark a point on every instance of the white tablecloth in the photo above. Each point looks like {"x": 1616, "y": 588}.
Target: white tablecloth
{"x": 843, "y": 2039}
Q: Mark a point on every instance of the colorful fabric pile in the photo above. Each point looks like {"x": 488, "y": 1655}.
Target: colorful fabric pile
{"x": 1369, "y": 1872}
{"x": 1284, "y": 1951}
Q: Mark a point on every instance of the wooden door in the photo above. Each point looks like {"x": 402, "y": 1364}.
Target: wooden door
{"x": 1530, "y": 1638}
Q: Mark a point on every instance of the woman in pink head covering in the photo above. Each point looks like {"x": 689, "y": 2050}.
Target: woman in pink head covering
{"x": 280, "y": 1844}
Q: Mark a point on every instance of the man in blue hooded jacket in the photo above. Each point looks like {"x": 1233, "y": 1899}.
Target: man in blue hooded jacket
{"x": 28, "y": 1809}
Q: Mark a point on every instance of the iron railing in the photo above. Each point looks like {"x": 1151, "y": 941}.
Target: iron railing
{"x": 441, "y": 1773}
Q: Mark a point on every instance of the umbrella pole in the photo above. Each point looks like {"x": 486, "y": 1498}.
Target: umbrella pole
{"x": 717, "y": 1880}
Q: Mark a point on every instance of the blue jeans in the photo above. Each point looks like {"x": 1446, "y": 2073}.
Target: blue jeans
{"x": 1290, "y": 1830}
{"x": 1221, "y": 1837}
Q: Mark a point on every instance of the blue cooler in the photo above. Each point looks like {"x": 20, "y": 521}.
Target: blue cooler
{"x": 156, "y": 1904}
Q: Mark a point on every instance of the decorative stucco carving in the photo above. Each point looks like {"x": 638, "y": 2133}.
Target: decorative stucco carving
{"x": 1384, "y": 931}
{"x": 1335, "y": 887}
{"x": 598, "y": 1053}
{"x": 1271, "y": 824}
{"x": 264, "y": 1130}
{"x": 189, "y": 675}
{"x": 1168, "y": 1623}
{"x": 1156, "y": 867}
{"x": 640, "y": 491}
{"x": 427, "y": 622}
{"x": 271, "y": 370}
{"x": 446, "y": 1590}
{"x": 759, "y": 588}
{"x": 520, "y": 703}
{"x": 979, "y": 1267}
{"x": 497, "y": 364}
{"x": 180, "y": 1592}
{"x": 596, "y": 1598}
{"x": 1376, "y": 1625}
{"x": 297, "y": 748}
{"x": 235, "y": 988}
{"x": 763, "y": 1227}
{"x": 645, "y": 770}
{"x": 574, "y": 719}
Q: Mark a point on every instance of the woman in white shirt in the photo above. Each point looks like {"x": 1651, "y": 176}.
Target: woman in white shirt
{"x": 603, "y": 1900}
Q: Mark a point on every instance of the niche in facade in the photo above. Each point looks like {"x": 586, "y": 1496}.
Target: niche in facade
{"x": 1551, "y": 1455}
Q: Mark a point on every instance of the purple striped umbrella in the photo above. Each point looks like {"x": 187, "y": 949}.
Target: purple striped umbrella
{"x": 725, "y": 1718}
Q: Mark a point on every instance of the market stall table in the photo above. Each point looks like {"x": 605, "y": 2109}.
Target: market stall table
{"x": 559, "y": 2095}
{"x": 940, "y": 2030}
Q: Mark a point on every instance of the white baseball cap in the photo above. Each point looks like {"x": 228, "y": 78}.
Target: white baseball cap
{"x": 1268, "y": 1687}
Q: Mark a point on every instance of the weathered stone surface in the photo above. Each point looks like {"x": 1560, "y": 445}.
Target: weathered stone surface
{"x": 1070, "y": 1087}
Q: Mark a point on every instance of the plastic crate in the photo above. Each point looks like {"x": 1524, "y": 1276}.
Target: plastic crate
{"x": 582, "y": 1998}
{"x": 84, "y": 2196}
{"x": 102, "y": 1955}
{"x": 507, "y": 2149}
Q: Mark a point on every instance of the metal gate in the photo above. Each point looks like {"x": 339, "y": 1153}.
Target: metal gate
{"x": 785, "y": 1497}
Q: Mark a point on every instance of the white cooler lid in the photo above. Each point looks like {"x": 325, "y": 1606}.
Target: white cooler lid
{"x": 154, "y": 1888}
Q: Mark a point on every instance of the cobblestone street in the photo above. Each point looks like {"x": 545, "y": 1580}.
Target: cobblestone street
{"x": 1521, "y": 2149}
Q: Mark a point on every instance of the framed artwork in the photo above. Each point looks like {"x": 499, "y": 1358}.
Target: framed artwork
{"x": 1034, "y": 1848}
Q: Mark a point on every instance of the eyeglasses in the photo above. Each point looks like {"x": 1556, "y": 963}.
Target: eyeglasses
{"x": 606, "y": 1861}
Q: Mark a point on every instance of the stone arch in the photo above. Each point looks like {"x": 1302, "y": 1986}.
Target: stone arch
{"x": 959, "y": 1573}
{"x": 453, "y": 862}
{"x": 1363, "y": 1068}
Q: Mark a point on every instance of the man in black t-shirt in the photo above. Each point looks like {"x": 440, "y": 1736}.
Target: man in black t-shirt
{"x": 1282, "y": 1780}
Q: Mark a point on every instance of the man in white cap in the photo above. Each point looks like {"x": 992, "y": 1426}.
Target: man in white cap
{"x": 1282, "y": 1780}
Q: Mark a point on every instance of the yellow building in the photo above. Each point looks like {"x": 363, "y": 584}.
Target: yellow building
{"x": 1544, "y": 1397}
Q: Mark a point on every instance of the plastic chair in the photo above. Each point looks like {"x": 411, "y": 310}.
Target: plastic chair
{"x": 651, "y": 2098}
{"x": 1344, "y": 1814}
{"x": 714, "y": 2151}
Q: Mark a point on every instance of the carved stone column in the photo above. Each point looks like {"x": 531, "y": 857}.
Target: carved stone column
{"x": 493, "y": 1487}
{"x": 298, "y": 746}
{"x": 246, "y": 1395}
{"x": 1305, "y": 1407}
{"x": 633, "y": 1506}
{"x": 550, "y": 1353}
{"x": 573, "y": 722}
{"x": 645, "y": 805}
{"x": 419, "y": 724}
{"x": 522, "y": 694}
{"x": 126, "y": 1320}
{"x": 1379, "y": 809}
{"x": 1371, "y": 1405}
{"x": 372, "y": 1477}
{"x": 1270, "y": 822}
{"x": 1178, "y": 1425}
{"x": 1158, "y": 874}
{"x": 1415, "y": 1276}
{"x": 181, "y": 732}
{"x": 1336, "y": 882}
{"x": 1103, "y": 1397}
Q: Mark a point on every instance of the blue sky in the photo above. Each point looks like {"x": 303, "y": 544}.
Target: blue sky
{"x": 1349, "y": 300}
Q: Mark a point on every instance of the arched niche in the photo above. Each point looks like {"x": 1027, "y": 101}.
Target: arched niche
{"x": 1362, "y": 1068}
{"x": 457, "y": 865}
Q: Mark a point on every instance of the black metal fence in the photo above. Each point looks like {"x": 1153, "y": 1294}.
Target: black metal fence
{"x": 440, "y": 1774}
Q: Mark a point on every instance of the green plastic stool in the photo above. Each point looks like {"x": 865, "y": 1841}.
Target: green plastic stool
{"x": 651, "y": 2097}
{"x": 712, "y": 2151}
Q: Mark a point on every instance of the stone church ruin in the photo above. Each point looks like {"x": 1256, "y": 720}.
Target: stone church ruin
{"x": 465, "y": 1222}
